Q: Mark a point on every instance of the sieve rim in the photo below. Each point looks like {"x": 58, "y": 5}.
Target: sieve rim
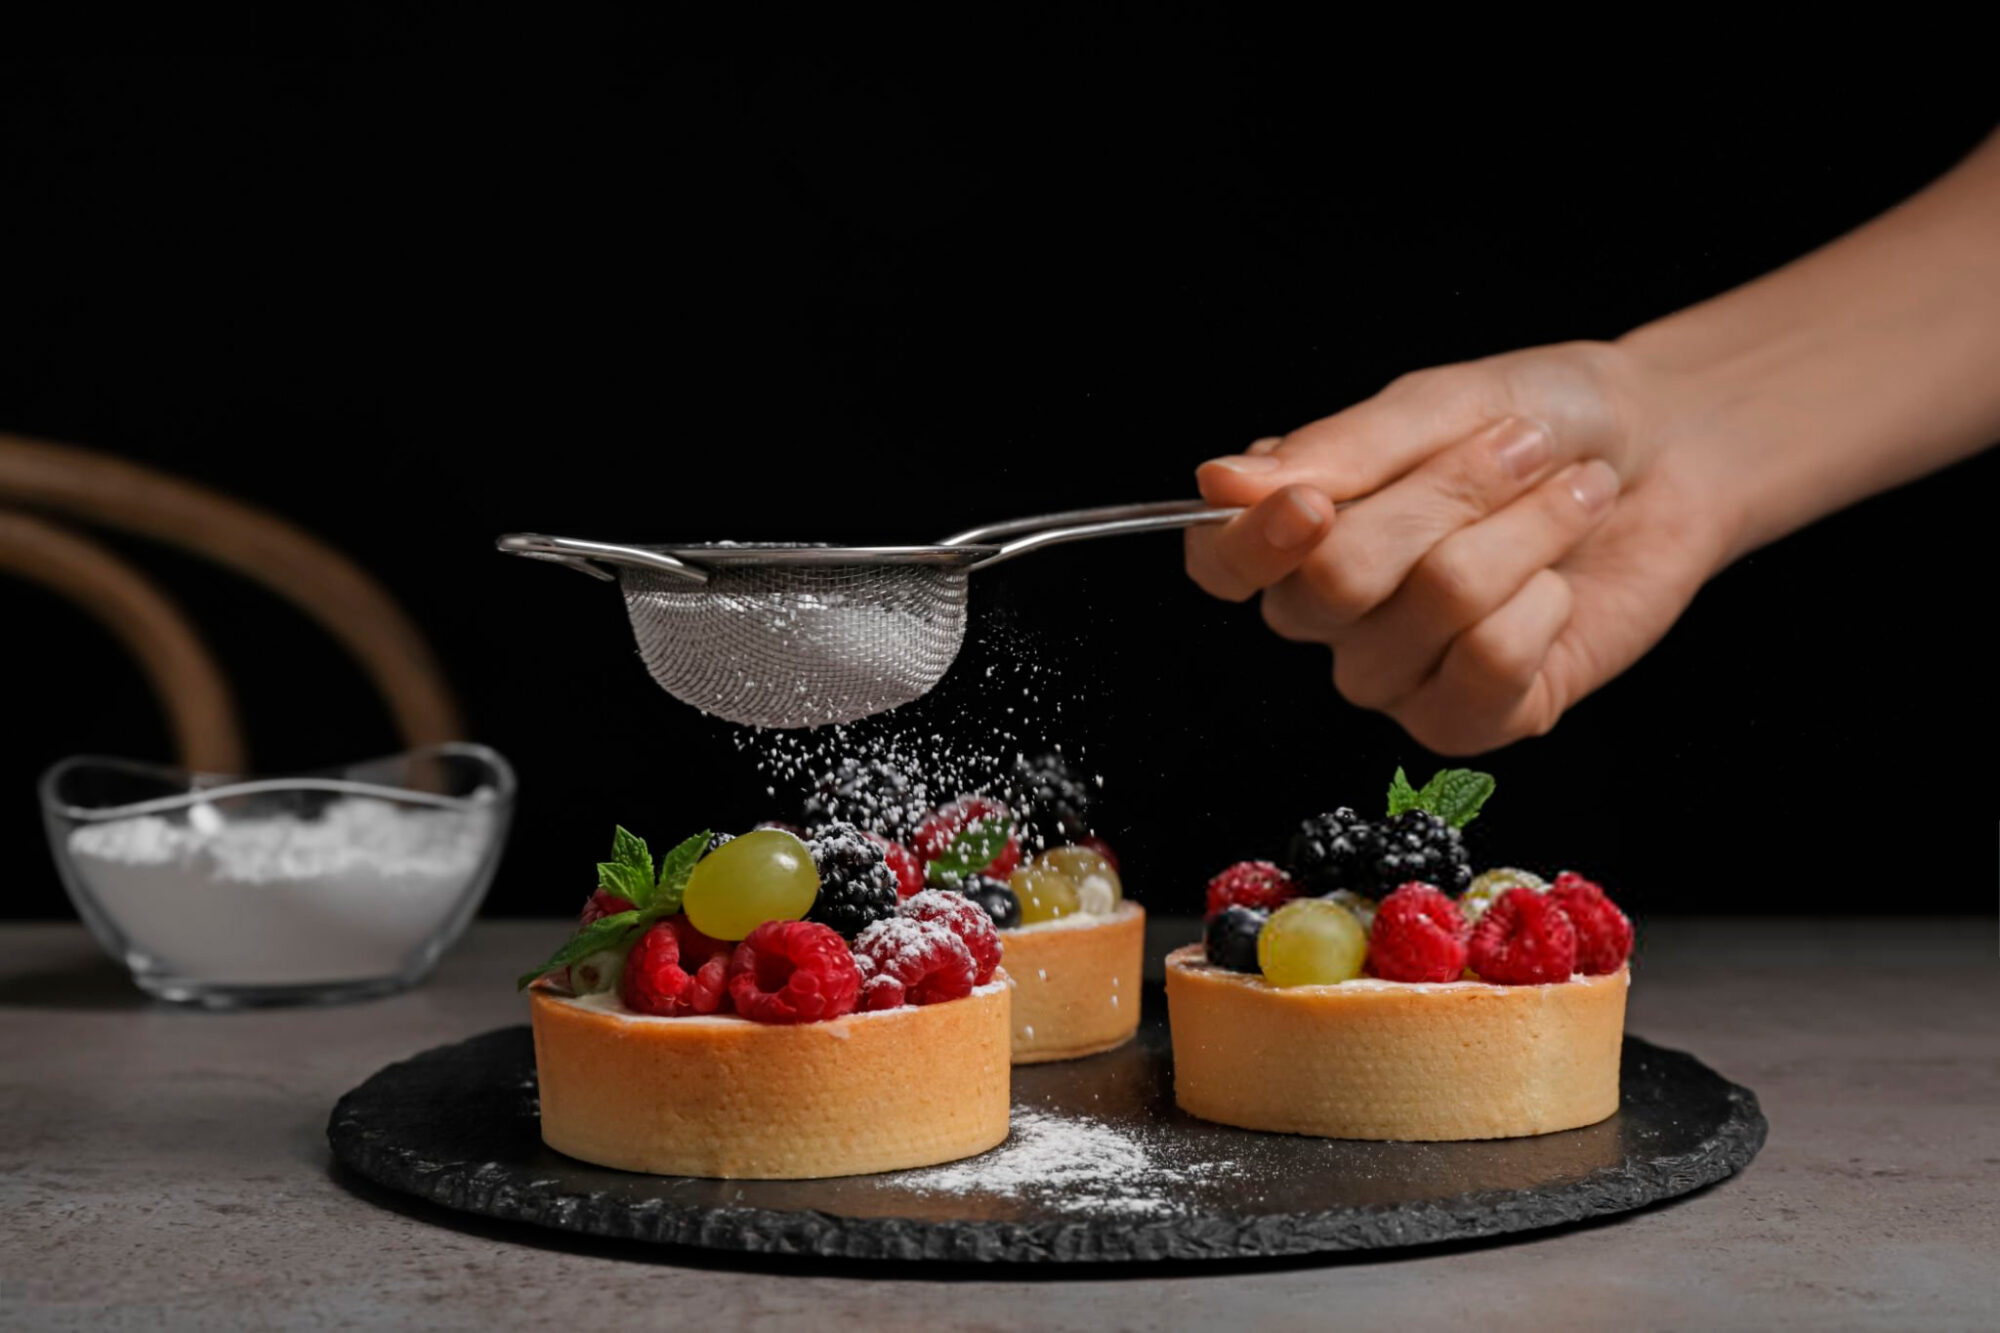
{"x": 776, "y": 553}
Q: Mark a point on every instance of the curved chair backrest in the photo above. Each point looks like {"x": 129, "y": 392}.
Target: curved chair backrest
{"x": 333, "y": 590}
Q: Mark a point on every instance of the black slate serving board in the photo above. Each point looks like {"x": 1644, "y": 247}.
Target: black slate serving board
{"x": 457, "y": 1126}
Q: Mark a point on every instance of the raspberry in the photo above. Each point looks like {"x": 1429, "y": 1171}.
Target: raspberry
{"x": 1258, "y": 885}
{"x": 909, "y": 870}
{"x": 600, "y": 904}
{"x": 935, "y": 835}
{"x": 1523, "y": 940}
{"x": 856, "y": 885}
{"x": 932, "y": 963}
{"x": 708, "y": 993}
{"x": 654, "y": 982}
{"x": 966, "y": 919}
{"x": 793, "y": 972}
{"x": 881, "y": 992}
{"x": 1418, "y": 936}
{"x": 697, "y": 948}
{"x": 1603, "y": 933}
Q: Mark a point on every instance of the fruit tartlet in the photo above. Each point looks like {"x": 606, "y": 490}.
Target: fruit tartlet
{"x": 749, "y": 1008}
{"x": 1374, "y": 988}
{"x": 1027, "y": 855}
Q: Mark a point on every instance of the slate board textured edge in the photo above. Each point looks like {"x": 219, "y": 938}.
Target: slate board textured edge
{"x": 495, "y": 1190}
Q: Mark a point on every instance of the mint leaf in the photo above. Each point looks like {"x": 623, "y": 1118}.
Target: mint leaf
{"x": 973, "y": 849}
{"x": 1402, "y": 796}
{"x": 1460, "y": 793}
{"x": 607, "y": 932}
{"x": 1453, "y": 795}
{"x": 629, "y": 872}
{"x": 675, "y": 867}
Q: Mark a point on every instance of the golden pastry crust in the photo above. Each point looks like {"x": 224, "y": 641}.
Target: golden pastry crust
{"x": 1076, "y": 987}
{"x": 726, "y": 1097}
{"x": 1388, "y": 1060}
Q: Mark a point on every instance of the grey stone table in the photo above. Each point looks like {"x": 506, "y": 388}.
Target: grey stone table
{"x": 160, "y": 1167}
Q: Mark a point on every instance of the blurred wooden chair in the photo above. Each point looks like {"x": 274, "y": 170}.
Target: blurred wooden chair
{"x": 40, "y": 482}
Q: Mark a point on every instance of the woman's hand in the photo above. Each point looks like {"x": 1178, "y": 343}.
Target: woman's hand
{"x": 1522, "y": 528}
{"x": 1512, "y": 535}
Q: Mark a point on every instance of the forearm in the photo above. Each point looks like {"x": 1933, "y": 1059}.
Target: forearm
{"x": 1867, "y": 363}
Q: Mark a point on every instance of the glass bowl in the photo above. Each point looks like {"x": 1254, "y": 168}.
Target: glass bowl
{"x": 225, "y": 891}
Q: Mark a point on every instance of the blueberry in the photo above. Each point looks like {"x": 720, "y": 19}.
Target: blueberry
{"x": 998, "y": 900}
{"x": 1230, "y": 938}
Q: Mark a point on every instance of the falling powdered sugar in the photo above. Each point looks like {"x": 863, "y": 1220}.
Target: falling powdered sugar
{"x": 1074, "y": 1164}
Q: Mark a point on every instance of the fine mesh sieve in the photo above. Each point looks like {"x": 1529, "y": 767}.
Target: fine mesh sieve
{"x": 772, "y": 635}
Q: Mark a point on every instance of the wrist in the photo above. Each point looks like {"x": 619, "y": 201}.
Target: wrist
{"x": 1670, "y": 414}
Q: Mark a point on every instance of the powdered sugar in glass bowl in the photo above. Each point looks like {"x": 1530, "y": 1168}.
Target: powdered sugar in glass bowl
{"x": 226, "y": 891}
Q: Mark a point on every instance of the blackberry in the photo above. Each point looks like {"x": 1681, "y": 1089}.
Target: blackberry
{"x": 1417, "y": 845}
{"x": 856, "y": 886}
{"x": 1051, "y": 799}
{"x": 1230, "y": 938}
{"x": 716, "y": 840}
{"x": 874, "y": 794}
{"x": 998, "y": 900}
{"x": 1334, "y": 851}
{"x": 1341, "y": 850}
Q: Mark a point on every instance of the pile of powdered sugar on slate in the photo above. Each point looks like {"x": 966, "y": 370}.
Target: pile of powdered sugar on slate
{"x": 1075, "y": 1164}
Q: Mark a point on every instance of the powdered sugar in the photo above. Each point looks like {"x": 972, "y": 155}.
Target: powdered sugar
{"x": 899, "y": 942}
{"x": 281, "y": 898}
{"x": 1076, "y": 1163}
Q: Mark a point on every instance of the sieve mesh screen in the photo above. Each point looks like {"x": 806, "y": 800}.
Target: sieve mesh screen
{"x": 798, "y": 645}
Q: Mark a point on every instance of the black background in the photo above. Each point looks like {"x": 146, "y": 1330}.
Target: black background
{"x": 417, "y": 288}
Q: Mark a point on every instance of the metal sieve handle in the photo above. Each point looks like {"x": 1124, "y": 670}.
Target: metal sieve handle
{"x": 583, "y": 556}
{"x": 1075, "y": 525}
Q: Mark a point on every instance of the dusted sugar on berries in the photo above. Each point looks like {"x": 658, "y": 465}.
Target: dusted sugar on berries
{"x": 1260, "y": 885}
{"x": 940, "y": 842}
{"x": 1053, "y": 800}
{"x": 1099, "y": 889}
{"x": 1525, "y": 939}
{"x": 902, "y": 862}
{"x": 997, "y": 900}
{"x": 857, "y": 886}
{"x": 793, "y": 972}
{"x": 931, "y": 963}
{"x": 872, "y": 793}
{"x": 965, "y": 919}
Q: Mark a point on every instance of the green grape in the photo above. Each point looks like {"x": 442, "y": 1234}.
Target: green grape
{"x": 1490, "y": 884}
{"x": 765, "y": 875}
{"x": 1097, "y": 885}
{"x": 1044, "y": 894}
{"x": 1311, "y": 942}
{"x": 599, "y": 972}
